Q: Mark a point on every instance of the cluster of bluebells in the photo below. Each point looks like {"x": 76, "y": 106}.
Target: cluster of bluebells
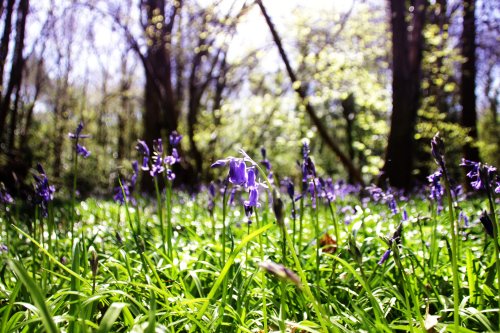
{"x": 482, "y": 176}
{"x": 436, "y": 189}
{"x": 160, "y": 163}
{"x": 310, "y": 183}
{"x": 388, "y": 197}
{"x": 124, "y": 192}
{"x": 241, "y": 175}
{"x": 77, "y": 136}
{"x": 44, "y": 193}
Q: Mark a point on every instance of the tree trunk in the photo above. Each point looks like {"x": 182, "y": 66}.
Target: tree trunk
{"x": 406, "y": 70}
{"x": 468, "y": 82}
{"x": 322, "y": 130}
{"x": 16, "y": 71}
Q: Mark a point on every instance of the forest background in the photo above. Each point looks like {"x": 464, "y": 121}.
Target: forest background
{"x": 366, "y": 83}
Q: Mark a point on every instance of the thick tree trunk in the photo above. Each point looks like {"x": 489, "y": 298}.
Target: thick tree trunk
{"x": 406, "y": 71}
{"x": 468, "y": 82}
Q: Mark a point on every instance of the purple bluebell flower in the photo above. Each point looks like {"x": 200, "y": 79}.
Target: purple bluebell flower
{"x": 251, "y": 178}
{"x": 78, "y": 133}
{"x": 396, "y": 237}
{"x": 385, "y": 256}
{"x": 482, "y": 175}
{"x": 393, "y": 206}
{"x": 5, "y": 197}
{"x": 375, "y": 192}
{"x": 265, "y": 162}
{"x": 437, "y": 190}
{"x": 237, "y": 172}
{"x": 253, "y": 198}
{"x": 122, "y": 195}
{"x": 404, "y": 215}
{"x": 44, "y": 193}
{"x": 143, "y": 149}
{"x": 170, "y": 175}
{"x": 175, "y": 138}
{"x": 82, "y": 151}
{"x": 3, "y": 249}
{"x": 463, "y": 218}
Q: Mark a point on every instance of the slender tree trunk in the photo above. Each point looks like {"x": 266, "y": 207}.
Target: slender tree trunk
{"x": 16, "y": 71}
{"x": 322, "y": 130}
{"x": 468, "y": 82}
{"x": 406, "y": 70}
{"x": 349, "y": 113}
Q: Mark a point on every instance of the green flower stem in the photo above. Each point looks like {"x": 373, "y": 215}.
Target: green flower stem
{"x": 160, "y": 216}
{"x": 454, "y": 250}
{"x": 496, "y": 241}
{"x": 170, "y": 230}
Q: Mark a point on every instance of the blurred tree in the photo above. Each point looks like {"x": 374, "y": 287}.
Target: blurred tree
{"x": 299, "y": 87}
{"x": 468, "y": 80}
{"x": 407, "y": 24}
{"x": 9, "y": 96}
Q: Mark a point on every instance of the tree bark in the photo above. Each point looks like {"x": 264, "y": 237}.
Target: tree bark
{"x": 299, "y": 89}
{"x": 468, "y": 82}
{"x": 16, "y": 70}
{"x": 406, "y": 70}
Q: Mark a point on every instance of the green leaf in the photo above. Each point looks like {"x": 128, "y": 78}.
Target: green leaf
{"x": 110, "y": 317}
{"x": 36, "y": 295}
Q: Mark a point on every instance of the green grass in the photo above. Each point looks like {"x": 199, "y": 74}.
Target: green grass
{"x": 47, "y": 284}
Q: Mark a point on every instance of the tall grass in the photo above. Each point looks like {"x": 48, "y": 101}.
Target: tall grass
{"x": 214, "y": 283}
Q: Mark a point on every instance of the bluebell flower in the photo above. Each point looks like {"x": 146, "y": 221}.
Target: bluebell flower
{"x": 482, "y": 175}
{"x": 253, "y": 198}
{"x": 385, "y": 256}
{"x": 251, "y": 178}
{"x": 121, "y": 195}
{"x": 81, "y": 150}
{"x": 437, "y": 190}
{"x": 396, "y": 237}
{"x": 44, "y": 193}
{"x": 143, "y": 149}
{"x": 175, "y": 138}
{"x": 78, "y": 133}
{"x": 3, "y": 249}
{"x": 265, "y": 162}
{"x": 463, "y": 218}
{"x": 5, "y": 197}
{"x": 237, "y": 172}
{"x": 170, "y": 175}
